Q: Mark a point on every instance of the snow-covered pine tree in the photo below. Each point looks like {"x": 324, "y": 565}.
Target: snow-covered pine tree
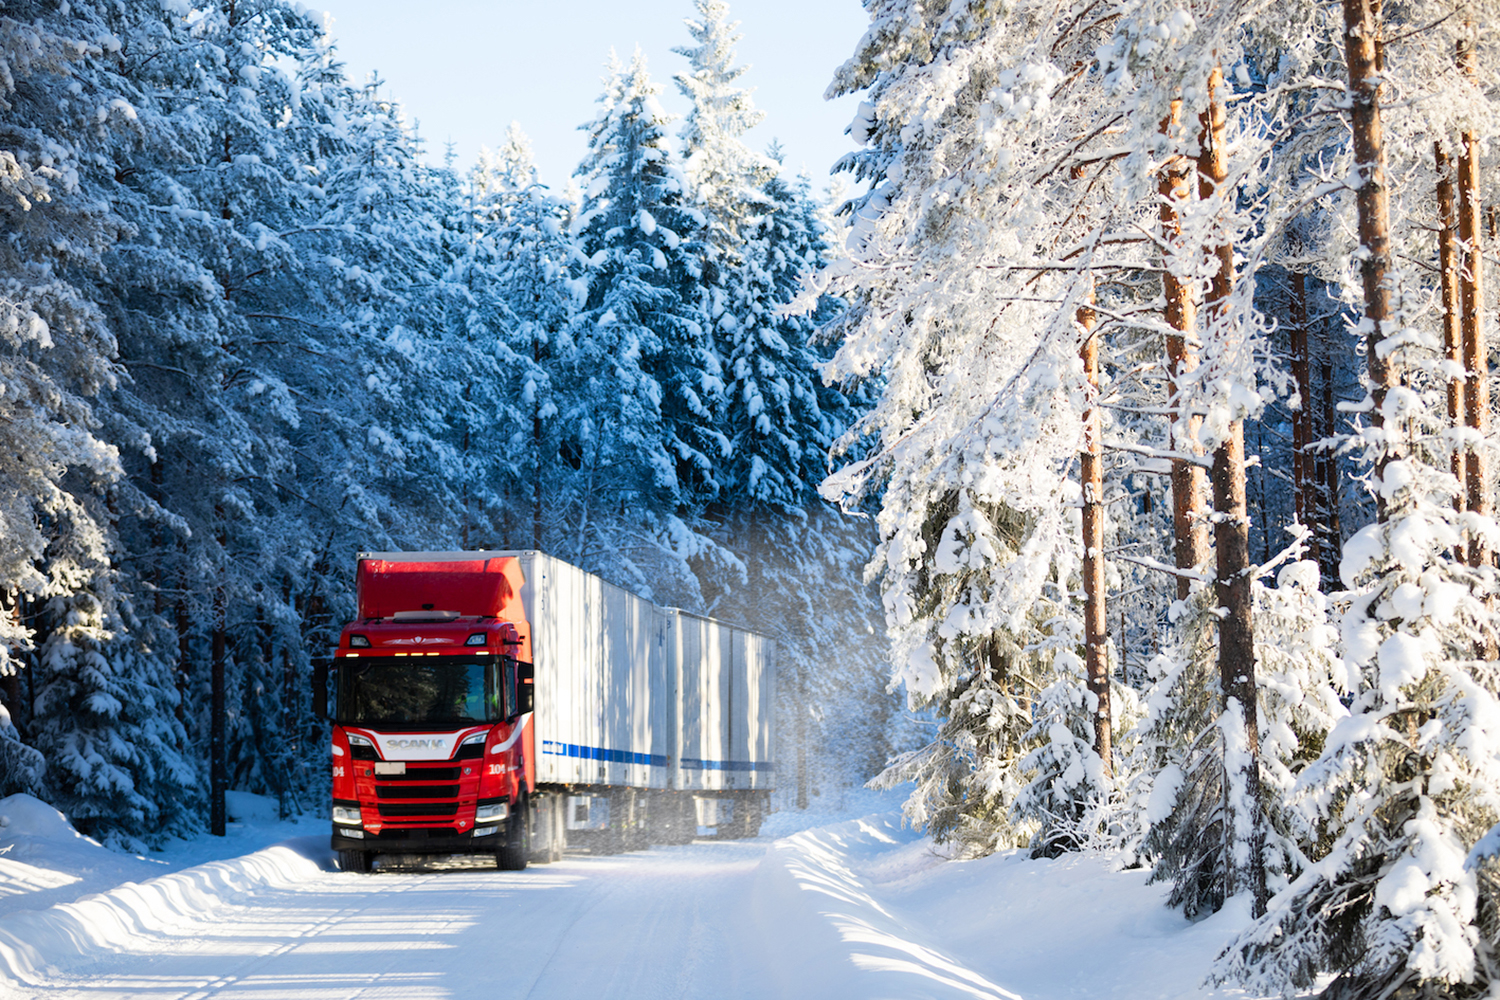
{"x": 797, "y": 577}
{"x": 642, "y": 428}
{"x": 725, "y": 177}
{"x": 56, "y": 348}
{"x": 973, "y": 127}
{"x": 106, "y": 722}
{"x": 536, "y": 261}
{"x": 102, "y": 702}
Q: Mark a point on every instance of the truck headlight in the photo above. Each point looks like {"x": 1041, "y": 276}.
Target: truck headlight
{"x": 347, "y": 816}
{"x": 476, "y": 738}
{"x": 498, "y": 810}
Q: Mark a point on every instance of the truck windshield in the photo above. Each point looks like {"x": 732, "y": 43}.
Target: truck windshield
{"x": 447, "y": 690}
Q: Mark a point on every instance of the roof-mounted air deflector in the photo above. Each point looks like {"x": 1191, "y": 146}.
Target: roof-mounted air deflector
{"x": 475, "y": 584}
{"x": 424, "y": 616}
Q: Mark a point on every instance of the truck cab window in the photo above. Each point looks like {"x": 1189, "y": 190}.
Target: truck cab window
{"x": 412, "y": 692}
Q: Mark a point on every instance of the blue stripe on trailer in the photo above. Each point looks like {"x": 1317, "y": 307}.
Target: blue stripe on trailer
{"x": 560, "y": 749}
{"x": 694, "y": 764}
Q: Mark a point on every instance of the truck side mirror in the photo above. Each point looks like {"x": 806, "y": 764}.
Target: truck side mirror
{"x": 320, "y": 672}
{"x": 525, "y": 688}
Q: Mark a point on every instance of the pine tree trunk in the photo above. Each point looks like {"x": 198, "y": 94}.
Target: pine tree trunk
{"x": 1372, "y": 200}
{"x": 1190, "y": 535}
{"x": 217, "y": 763}
{"x": 1471, "y": 295}
{"x": 1232, "y": 546}
{"x": 218, "y": 782}
{"x": 536, "y": 452}
{"x": 1302, "y": 435}
{"x": 1328, "y": 464}
{"x": 11, "y": 682}
{"x": 184, "y": 643}
{"x": 1453, "y": 341}
{"x": 1095, "y": 625}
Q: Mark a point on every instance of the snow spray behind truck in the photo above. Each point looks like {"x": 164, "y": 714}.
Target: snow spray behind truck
{"x": 509, "y": 703}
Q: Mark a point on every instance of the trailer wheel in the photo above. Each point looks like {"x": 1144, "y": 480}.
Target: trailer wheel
{"x": 355, "y": 861}
{"x": 516, "y": 850}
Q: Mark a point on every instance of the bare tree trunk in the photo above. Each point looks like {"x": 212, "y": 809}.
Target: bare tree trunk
{"x": 1302, "y": 433}
{"x": 1190, "y": 534}
{"x": 1095, "y": 625}
{"x": 1362, "y": 54}
{"x": 1232, "y": 545}
{"x": 1471, "y": 296}
{"x": 1453, "y": 340}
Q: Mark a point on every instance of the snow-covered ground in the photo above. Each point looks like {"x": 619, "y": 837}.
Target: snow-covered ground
{"x": 846, "y": 908}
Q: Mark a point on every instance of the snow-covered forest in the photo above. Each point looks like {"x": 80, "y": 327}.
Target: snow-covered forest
{"x": 249, "y": 333}
{"x": 1178, "y": 312}
{"x": 1143, "y": 379}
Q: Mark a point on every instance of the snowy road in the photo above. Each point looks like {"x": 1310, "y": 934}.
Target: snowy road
{"x": 665, "y": 923}
{"x": 860, "y": 909}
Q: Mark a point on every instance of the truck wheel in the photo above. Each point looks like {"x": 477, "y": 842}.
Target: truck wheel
{"x": 516, "y": 850}
{"x": 355, "y": 861}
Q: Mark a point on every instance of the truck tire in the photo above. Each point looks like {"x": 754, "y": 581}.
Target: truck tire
{"x": 355, "y": 861}
{"x": 516, "y": 850}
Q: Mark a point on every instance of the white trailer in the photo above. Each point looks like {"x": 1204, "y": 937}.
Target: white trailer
{"x": 652, "y": 724}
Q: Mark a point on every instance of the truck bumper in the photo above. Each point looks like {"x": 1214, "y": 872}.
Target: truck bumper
{"x": 419, "y": 841}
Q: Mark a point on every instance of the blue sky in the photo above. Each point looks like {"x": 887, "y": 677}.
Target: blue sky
{"x": 464, "y": 69}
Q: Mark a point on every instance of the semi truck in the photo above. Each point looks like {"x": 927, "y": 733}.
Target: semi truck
{"x": 507, "y": 703}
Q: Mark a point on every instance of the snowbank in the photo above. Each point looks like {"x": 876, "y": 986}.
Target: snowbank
{"x": 32, "y": 943}
{"x": 910, "y": 923}
{"x": 44, "y": 861}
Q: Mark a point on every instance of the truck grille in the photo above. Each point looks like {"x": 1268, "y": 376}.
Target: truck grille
{"x": 416, "y": 791}
{"x": 409, "y": 809}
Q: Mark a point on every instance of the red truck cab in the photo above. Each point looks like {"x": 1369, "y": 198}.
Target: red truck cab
{"x": 433, "y": 747}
